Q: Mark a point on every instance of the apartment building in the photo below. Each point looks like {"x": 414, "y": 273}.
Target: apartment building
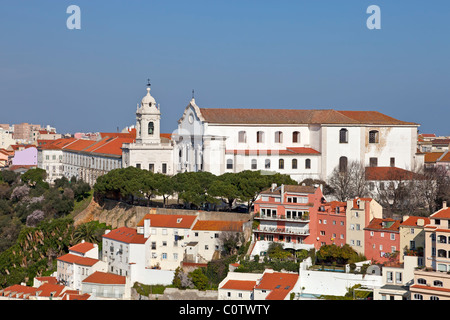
{"x": 433, "y": 281}
{"x": 81, "y": 261}
{"x": 359, "y": 213}
{"x": 382, "y": 240}
{"x": 287, "y": 214}
{"x": 412, "y": 237}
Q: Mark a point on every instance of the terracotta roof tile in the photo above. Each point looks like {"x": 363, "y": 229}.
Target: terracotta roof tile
{"x": 218, "y": 225}
{"x": 169, "y": 220}
{"x": 126, "y": 235}
{"x": 412, "y": 221}
{"x": 244, "y": 285}
{"x": 296, "y": 116}
{"x": 442, "y": 213}
{"x": 82, "y": 247}
{"x": 279, "y": 283}
{"x": 105, "y": 278}
{"x": 390, "y": 173}
{"x": 383, "y": 224}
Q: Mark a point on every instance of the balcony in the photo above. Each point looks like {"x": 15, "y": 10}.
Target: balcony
{"x": 285, "y": 231}
{"x": 303, "y": 218}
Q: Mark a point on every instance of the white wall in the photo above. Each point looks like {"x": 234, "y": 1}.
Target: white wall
{"x": 333, "y": 283}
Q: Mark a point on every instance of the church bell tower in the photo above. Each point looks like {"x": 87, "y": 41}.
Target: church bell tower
{"x": 148, "y": 118}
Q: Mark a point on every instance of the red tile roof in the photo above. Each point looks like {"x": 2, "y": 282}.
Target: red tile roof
{"x": 390, "y": 173}
{"x": 126, "y": 235}
{"x": 169, "y": 220}
{"x": 412, "y": 221}
{"x": 50, "y": 290}
{"x": 218, "y": 225}
{"x": 244, "y": 285}
{"x": 279, "y": 283}
{"x": 82, "y": 247}
{"x": 105, "y": 278}
{"x": 432, "y": 156}
{"x": 442, "y": 213}
{"x": 296, "y": 116}
{"x": 383, "y": 225}
{"x": 72, "y": 258}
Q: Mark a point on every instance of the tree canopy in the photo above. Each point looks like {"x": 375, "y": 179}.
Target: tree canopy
{"x": 193, "y": 188}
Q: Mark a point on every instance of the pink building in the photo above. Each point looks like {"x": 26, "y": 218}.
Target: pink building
{"x": 382, "y": 240}
{"x": 331, "y": 223}
{"x": 288, "y": 214}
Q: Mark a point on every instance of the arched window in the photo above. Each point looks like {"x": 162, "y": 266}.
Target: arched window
{"x": 418, "y": 296}
{"x": 242, "y": 136}
{"x": 254, "y": 164}
{"x": 151, "y": 128}
{"x": 296, "y": 137}
{"x": 229, "y": 163}
{"x": 308, "y": 164}
{"x": 278, "y": 137}
{"x": 373, "y": 136}
{"x": 442, "y": 253}
{"x": 260, "y": 137}
{"x": 267, "y": 164}
{"x": 281, "y": 164}
{"x": 343, "y": 164}
{"x": 294, "y": 163}
{"x": 343, "y": 136}
{"x": 438, "y": 283}
{"x": 421, "y": 281}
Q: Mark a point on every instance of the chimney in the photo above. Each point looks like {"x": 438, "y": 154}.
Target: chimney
{"x": 146, "y": 228}
{"x": 420, "y": 222}
{"x": 274, "y": 185}
{"x": 444, "y": 204}
{"x": 405, "y": 217}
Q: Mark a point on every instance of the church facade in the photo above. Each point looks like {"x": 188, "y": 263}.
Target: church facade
{"x": 300, "y": 143}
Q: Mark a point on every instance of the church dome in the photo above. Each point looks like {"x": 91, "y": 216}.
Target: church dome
{"x": 148, "y": 103}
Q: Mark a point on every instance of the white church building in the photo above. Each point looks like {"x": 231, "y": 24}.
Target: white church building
{"x": 300, "y": 143}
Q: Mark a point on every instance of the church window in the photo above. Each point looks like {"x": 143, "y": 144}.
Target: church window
{"x": 343, "y": 164}
{"x": 294, "y": 163}
{"x": 242, "y": 136}
{"x": 254, "y": 164}
{"x": 308, "y": 164}
{"x": 373, "y": 136}
{"x": 278, "y": 137}
{"x": 281, "y": 164}
{"x": 296, "y": 137}
{"x": 229, "y": 164}
{"x": 343, "y": 136}
{"x": 150, "y": 128}
{"x": 260, "y": 137}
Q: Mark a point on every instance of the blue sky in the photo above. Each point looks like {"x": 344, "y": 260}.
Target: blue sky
{"x": 237, "y": 54}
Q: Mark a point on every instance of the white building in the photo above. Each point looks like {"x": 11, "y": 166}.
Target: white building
{"x": 81, "y": 261}
{"x": 152, "y": 150}
{"x": 169, "y": 238}
{"x": 301, "y": 143}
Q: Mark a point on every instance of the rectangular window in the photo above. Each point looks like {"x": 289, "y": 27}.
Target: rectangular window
{"x": 164, "y": 168}
{"x": 392, "y": 162}
{"x": 373, "y": 162}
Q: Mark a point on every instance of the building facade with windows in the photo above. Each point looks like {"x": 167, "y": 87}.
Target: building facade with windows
{"x": 382, "y": 240}
{"x": 300, "y": 143}
{"x": 359, "y": 213}
{"x": 287, "y": 214}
